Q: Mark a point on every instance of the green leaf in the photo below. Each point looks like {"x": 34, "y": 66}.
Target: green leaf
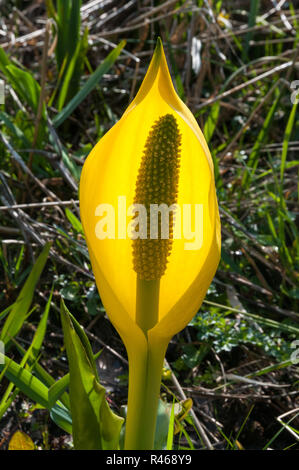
{"x": 162, "y": 426}
{"x": 254, "y": 9}
{"x": 170, "y": 429}
{"x": 58, "y": 388}
{"x": 67, "y": 78}
{"x": 211, "y": 122}
{"x": 34, "y": 389}
{"x": 14, "y": 129}
{"x": 74, "y": 221}
{"x": 89, "y": 85}
{"x": 68, "y": 22}
{"x": 62, "y": 417}
{"x": 286, "y": 139}
{"x": 40, "y": 372}
{"x": 70, "y": 164}
{"x": 95, "y": 426}
{"x": 4, "y": 61}
{"x": 39, "y": 335}
{"x": 6, "y": 311}
{"x": 25, "y": 381}
{"x": 25, "y": 85}
{"x": 21, "y": 306}
{"x": 70, "y": 292}
{"x": 70, "y": 50}
{"x": 261, "y": 138}
{"x": 44, "y": 377}
{"x": 31, "y": 353}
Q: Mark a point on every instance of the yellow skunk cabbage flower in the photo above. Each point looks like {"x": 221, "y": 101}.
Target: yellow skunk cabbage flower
{"x": 150, "y": 215}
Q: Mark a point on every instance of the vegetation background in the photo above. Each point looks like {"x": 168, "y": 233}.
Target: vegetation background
{"x": 68, "y": 78}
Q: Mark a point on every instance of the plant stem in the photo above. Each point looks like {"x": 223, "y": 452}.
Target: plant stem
{"x": 147, "y": 303}
{"x": 144, "y": 392}
{"x": 145, "y": 373}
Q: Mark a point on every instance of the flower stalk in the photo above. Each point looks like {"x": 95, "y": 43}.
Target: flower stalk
{"x": 147, "y": 303}
{"x": 144, "y": 391}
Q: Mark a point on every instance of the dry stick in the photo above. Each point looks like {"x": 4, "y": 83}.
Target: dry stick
{"x": 189, "y": 55}
{"x": 142, "y": 25}
{"x": 9, "y": 231}
{"x": 39, "y": 204}
{"x": 256, "y": 303}
{"x": 24, "y": 39}
{"x": 36, "y": 236}
{"x": 236, "y": 277}
{"x": 20, "y": 161}
{"x": 24, "y": 18}
{"x": 257, "y": 271}
{"x": 40, "y": 32}
{"x": 256, "y": 110}
{"x": 210, "y": 418}
{"x": 272, "y": 41}
{"x": 286, "y": 425}
{"x": 284, "y": 83}
{"x": 113, "y": 15}
{"x": 195, "y": 419}
{"x": 283, "y": 17}
{"x": 137, "y": 65}
{"x": 42, "y": 90}
{"x": 272, "y": 71}
{"x": 153, "y": 11}
{"x": 244, "y": 30}
{"x": 8, "y": 198}
{"x": 106, "y": 346}
{"x": 91, "y": 335}
{"x": 91, "y": 6}
{"x": 254, "y": 253}
{"x": 290, "y": 70}
{"x": 273, "y": 10}
{"x": 203, "y": 39}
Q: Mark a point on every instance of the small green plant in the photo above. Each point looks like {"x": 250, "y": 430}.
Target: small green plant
{"x": 223, "y": 332}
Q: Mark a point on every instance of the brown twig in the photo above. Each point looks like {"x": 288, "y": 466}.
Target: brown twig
{"x": 42, "y": 90}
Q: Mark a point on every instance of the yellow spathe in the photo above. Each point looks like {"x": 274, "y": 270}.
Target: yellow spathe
{"x": 110, "y": 172}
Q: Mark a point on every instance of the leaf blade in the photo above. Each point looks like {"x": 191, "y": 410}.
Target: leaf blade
{"x": 95, "y": 426}
{"x": 89, "y": 85}
{"x": 21, "y": 306}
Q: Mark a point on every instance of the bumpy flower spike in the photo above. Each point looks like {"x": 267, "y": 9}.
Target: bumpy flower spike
{"x": 157, "y": 183}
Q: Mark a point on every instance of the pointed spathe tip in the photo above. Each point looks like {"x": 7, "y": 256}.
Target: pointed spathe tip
{"x": 158, "y": 49}
{"x": 159, "y": 43}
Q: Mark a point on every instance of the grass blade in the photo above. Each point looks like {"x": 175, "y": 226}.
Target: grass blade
{"x": 21, "y": 306}
{"x": 25, "y": 381}
{"x": 264, "y": 132}
{"x": 254, "y": 8}
{"x": 95, "y": 426}
{"x": 89, "y": 85}
{"x": 170, "y": 429}
{"x": 211, "y": 122}
{"x": 32, "y": 352}
{"x": 58, "y": 388}
{"x": 25, "y": 85}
